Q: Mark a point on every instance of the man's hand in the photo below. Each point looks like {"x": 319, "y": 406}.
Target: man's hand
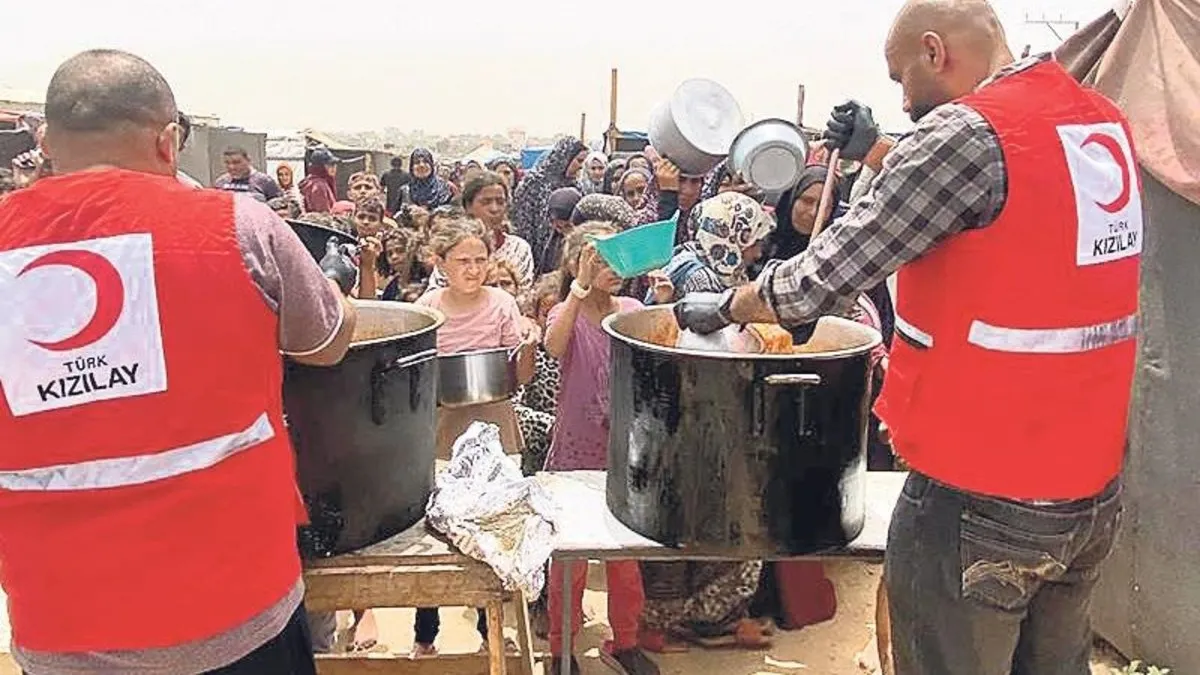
{"x": 704, "y": 313}
{"x": 852, "y": 129}
{"x": 338, "y": 267}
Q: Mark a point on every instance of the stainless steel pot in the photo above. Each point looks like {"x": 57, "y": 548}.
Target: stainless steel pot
{"x": 769, "y": 154}
{"x": 472, "y": 378}
{"x": 365, "y": 430}
{"x": 696, "y": 126}
{"x": 746, "y": 455}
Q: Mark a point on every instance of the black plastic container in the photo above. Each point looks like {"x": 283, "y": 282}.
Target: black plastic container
{"x": 365, "y": 430}
{"x": 740, "y": 455}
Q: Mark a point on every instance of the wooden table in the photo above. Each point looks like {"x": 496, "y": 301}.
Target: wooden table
{"x": 587, "y": 530}
{"x": 417, "y": 568}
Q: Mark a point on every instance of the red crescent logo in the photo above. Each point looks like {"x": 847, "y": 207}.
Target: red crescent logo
{"x": 110, "y": 296}
{"x": 1118, "y": 154}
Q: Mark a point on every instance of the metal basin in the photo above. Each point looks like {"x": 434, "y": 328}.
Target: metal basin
{"x": 745, "y": 455}
{"x": 769, "y": 154}
{"x": 365, "y": 430}
{"x": 472, "y": 378}
{"x": 696, "y": 126}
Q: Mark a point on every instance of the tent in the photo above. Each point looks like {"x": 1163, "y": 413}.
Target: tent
{"x": 530, "y": 156}
{"x": 1146, "y": 57}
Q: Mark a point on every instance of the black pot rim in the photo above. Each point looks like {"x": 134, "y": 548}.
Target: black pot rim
{"x": 875, "y": 340}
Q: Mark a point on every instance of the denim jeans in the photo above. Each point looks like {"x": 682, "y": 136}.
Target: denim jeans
{"x": 985, "y": 586}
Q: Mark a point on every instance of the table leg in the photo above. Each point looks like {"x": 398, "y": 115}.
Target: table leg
{"x": 567, "y": 627}
{"x": 495, "y": 626}
{"x": 524, "y": 634}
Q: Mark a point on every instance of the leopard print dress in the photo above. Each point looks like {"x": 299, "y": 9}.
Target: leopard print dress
{"x": 535, "y": 405}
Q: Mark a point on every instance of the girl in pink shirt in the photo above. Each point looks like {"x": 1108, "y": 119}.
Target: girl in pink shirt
{"x": 580, "y": 437}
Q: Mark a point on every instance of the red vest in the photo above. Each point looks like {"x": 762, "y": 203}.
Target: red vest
{"x": 1014, "y": 367}
{"x": 146, "y": 479}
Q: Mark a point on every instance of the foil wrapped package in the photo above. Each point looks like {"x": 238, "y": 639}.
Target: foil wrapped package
{"x": 484, "y": 505}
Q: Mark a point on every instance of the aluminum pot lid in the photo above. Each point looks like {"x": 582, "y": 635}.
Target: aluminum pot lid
{"x": 706, "y": 115}
{"x": 773, "y": 167}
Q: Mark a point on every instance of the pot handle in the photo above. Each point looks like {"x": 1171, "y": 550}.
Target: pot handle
{"x": 793, "y": 380}
{"x": 378, "y": 410}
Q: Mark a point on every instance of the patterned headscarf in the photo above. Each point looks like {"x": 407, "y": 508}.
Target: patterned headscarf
{"x": 585, "y": 183}
{"x": 531, "y": 217}
{"x": 724, "y": 225}
{"x": 605, "y": 208}
{"x": 431, "y": 191}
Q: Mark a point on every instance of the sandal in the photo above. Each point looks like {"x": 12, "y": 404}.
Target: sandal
{"x": 661, "y": 642}
{"x": 422, "y": 651}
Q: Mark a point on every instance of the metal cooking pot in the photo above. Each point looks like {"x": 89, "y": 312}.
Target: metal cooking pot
{"x": 695, "y": 127}
{"x": 769, "y": 154}
{"x": 315, "y": 237}
{"x": 472, "y": 378}
{"x": 365, "y": 429}
{"x": 746, "y": 455}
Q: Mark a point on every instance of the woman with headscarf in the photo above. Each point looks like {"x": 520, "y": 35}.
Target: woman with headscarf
{"x": 709, "y": 600}
{"x": 427, "y": 189}
{"x": 591, "y": 176}
{"x": 612, "y": 176}
{"x": 604, "y": 208}
{"x": 507, "y": 169}
{"x": 531, "y": 216}
{"x": 287, "y": 183}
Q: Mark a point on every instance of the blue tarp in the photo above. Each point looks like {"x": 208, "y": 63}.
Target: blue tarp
{"x": 530, "y": 156}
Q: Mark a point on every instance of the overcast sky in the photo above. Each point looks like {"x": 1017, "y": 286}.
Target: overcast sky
{"x": 486, "y": 66}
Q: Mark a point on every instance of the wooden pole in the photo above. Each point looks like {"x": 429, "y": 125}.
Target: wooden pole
{"x": 583, "y": 127}
{"x": 800, "y": 106}
{"x": 611, "y": 145}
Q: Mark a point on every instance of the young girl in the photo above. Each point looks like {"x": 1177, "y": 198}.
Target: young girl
{"x": 398, "y": 266}
{"x": 368, "y": 226}
{"x": 580, "y": 438}
{"x": 477, "y": 317}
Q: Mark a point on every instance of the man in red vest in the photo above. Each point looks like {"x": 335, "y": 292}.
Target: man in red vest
{"x": 1014, "y": 217}
{"x": 148, "y": 501}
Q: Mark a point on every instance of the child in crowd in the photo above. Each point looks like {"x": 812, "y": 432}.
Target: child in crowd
{"x": 398, "y": 267}
{"x": 368, "y": 227}
{"x": 477, "y": 317}
{"x": 486, "y": 199}
{"x": 580, "y": 439}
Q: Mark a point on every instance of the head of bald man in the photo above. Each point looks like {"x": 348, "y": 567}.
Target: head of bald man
{"x": 110, "y": 108}
{"x": 940, "y": 50}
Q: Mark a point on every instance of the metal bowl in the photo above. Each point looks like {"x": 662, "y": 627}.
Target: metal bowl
{"x": 473, "y": 378}
{"x": 769, "y": 154}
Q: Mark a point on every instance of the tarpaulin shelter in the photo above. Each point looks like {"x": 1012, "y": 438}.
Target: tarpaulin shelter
{"x": 530, "y": 156}
{"x": 1148, "y": 62}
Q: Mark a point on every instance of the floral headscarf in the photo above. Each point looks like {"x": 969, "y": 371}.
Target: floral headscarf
{"x": 531, "y": 216}
{"x": 433, "y": 190}
{"x": 605, "y": 208}
{"x": 724, "y": 225}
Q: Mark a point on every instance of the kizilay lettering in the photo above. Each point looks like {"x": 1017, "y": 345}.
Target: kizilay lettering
{"x": 86, "y": 376}
{"x": 1119, "y": 240}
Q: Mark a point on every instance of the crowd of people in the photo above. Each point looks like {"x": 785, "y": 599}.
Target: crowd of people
{"x": 504, "y": 254}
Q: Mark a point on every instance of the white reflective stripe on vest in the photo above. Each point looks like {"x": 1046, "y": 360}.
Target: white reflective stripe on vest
{"x": 1053, "y": 340}
{"x": 125, "y": 471}
{"x": 913, "y": 333}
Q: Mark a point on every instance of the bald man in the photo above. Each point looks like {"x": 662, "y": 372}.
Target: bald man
{"x": 148, "y": 502}
{"x": 1013, "y": 216}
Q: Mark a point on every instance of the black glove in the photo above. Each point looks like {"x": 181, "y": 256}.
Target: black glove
{"x": 337, "y": 266}
{"x": 852, "y": 129}
{"x": 704, "y": 313}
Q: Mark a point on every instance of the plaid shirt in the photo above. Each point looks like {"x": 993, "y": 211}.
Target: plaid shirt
{"x": 947, "y": 177}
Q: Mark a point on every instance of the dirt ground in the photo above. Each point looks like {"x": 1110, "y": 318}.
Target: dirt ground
{"x": 830, "y": 648}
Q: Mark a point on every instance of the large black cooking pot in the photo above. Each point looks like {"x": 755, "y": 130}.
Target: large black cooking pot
{"x": 365, "y": 429}
{"x": 316, "y": 237}
{"x": 739, "y": 455}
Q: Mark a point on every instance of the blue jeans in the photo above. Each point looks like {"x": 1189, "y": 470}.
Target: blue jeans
{"x": 984, "y": 586}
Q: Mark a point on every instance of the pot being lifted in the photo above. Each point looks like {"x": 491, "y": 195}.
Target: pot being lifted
{"x": 365, "y": 429}
{"x": 696, "y": 126}
{"x": 748, "y": 455}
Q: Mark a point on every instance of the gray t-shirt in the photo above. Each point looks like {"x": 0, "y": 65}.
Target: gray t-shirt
{"x": 310, "y": 314}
